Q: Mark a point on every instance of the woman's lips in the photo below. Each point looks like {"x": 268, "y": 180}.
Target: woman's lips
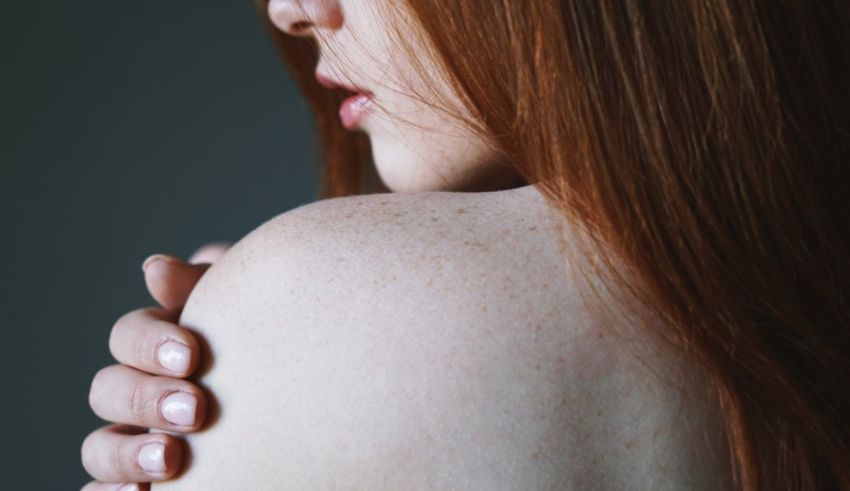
{"x": 353, "y": 109}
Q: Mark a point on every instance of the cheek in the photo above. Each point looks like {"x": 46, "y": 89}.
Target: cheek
{"x": 424, "y": 130}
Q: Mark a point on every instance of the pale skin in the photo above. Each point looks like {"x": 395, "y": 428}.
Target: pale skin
{"x": 416, "y": 340}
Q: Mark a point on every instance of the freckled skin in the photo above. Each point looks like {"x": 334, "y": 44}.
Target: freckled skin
{"x": 419, "y": 361}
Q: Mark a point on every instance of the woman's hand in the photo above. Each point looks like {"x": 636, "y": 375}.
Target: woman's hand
{"x": 146, "y": 389}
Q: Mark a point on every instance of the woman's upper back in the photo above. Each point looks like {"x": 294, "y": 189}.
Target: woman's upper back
{"x": 434, "y": 341}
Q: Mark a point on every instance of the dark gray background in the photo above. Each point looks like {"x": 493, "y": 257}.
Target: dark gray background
{"x": 128, "y": 128}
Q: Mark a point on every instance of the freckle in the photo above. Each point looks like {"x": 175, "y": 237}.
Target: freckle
{"x": 599, "y": 413}
{"x": 532, "y": 229}
{"x": 382, "y": 202}
{"x": 434, "y": 219}
{"x": 538, "y": 327}
{"x": 393, "y": 278}
{"x": 461, "y": 211}
{"x": 560, "y": 359}
{"x": 483, "y": 308}
{"x": 348, "y": 215}
{"x": 430, "y": 282}
{"x": 396, "y": 215}
{"x": 545, "y": 285}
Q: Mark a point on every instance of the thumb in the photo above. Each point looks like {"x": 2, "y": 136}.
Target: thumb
{"x": 170, "y": 280}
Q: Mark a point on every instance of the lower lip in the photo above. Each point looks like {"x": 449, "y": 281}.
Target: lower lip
{"x": 353, "y": 109}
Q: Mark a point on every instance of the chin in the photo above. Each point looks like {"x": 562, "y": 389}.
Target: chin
{"x": 408, "y": 184}
{"x": 400, "y": 180}
{"x": 451, "y": 169}
{"x": 403, "y": 171}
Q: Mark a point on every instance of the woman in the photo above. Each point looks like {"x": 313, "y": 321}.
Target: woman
{"x": 642, "y": 286}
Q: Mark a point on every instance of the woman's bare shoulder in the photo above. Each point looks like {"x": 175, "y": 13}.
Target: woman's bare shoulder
{"x": 479, "y": 252}
{"x": 391, "y": 341}
{"x": 450, "y": 224}
{"x": 418, "y": 341}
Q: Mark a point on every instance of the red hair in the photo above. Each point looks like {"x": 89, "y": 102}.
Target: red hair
{"x": 704, "y": 142}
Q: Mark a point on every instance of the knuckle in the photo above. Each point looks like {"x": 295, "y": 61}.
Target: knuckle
{"x": 117, "y": 460}
{"x": 99, "y": 375}
{"x": 89, "y": 452}
{"x": 92, "y": 397}
{"x": 142, "y": 352}
{"x": 118, "y": 330}
{"x": 85, "y": 453}
{"x": 138, "y": 403}
{"x": 96, "y": 386}
{"x": 123, "y": 321}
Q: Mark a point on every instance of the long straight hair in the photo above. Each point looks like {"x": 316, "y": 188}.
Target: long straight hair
{"x": 704, "y": 142}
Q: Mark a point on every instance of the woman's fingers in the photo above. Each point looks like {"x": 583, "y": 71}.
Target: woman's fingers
{"x": 111, "y": 486}
{"x": 121, "y": 454}
{"x": 125, "y": 395}
{"x": 170, "y": 280}
{"x": 147, "y": 339}
{"x": 209, "y": 253}
{"x": 107, "y": 486}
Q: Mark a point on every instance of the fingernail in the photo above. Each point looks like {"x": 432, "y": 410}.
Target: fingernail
{"x": 152, "y": 458}
{"x": 174, "y": 356}
{"x": 152, "y": 259}
{"x": 129, "y": 487}
{"x": 179, "y": 408}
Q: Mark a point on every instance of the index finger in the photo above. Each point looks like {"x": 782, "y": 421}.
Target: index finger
{"x": 170, "y": 280}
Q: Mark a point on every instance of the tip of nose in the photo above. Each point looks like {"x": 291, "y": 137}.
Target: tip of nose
{"x": 297, "y": 19}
